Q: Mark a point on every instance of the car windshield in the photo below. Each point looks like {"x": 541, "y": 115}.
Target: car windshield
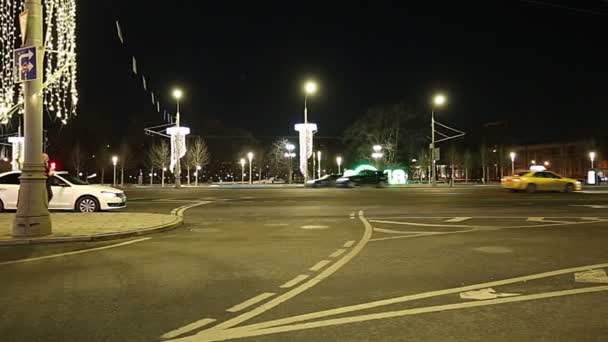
{"x": 73, "y": 179}
{"x": 523, "y": 173}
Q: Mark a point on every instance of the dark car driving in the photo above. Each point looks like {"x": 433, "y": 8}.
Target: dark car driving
{"x": 326, "y": 181}
{"x": 363, "y": 178}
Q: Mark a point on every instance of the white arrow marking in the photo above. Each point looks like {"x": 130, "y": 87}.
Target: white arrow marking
{"x": 30, "y": 66}
{"x": 458, "y": 219}
{"x": 592, "y": 276}
{"x": 482, "y": 294}
{"x": 27, "y": 55}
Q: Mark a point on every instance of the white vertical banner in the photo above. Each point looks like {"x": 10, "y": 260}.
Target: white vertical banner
{"x": 178, "y": 144}
{"x": 306, "y": 133}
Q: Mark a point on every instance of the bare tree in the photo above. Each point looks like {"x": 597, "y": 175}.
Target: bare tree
{"x": 77, "y": 158}
{"x": 197, "y": 155}
{"x": 158, "y": 157}
{"x": 467, "y": 164}
{"x": 278, "y": 163}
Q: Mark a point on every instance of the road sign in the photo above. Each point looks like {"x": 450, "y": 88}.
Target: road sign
{"x": 25, "y": 64}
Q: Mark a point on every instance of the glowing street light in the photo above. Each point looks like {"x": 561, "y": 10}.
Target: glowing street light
{"x": 339, "y": 162}
{"x": 177, "y": 95}
{"x": 114, "y": 162}
{"x": 546, "y": 163}
{"x": 198, "y": 170}
{"x": 592, "y": 158}
{"x": 250, "y": 157}
{"x": 438, "y": 101}
{"x": 512, "y": 155}
{"x": 290, "y": 154}
{"x": 309, "y": 88}
{"x": 319, "y": 159}
{"x": 242, "y": 170}
{"x": 377, "y": 153}
{"x": 162, "y": 176}
{"x": 533, "y": 162}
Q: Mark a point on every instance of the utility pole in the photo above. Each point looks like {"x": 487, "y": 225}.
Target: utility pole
{"x": 178, "y": 166}
{"x": 433, "y": 161}
{"x": 33, "y": 218}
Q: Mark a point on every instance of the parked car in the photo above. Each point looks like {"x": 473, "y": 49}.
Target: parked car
{"x": 363, "y": 178}
{"x": 532, "y": 181}
{"x": 69, "y": 193}
{"x": 323, "y": 182}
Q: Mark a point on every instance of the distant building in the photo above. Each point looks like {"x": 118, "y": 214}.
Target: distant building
{"x": 567, "y": 158}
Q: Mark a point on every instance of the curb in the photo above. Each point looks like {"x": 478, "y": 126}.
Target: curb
{"x": 179, "y": 220}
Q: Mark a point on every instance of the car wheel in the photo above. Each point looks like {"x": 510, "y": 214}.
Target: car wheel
{"x": 1, "y": 206}
{"x": 87, "y": 204}
{"x": 569, "y": 187}
{"x": 382, "y": 185}
{"x": 350, "y": 184}
{"x": 531, "y": 188}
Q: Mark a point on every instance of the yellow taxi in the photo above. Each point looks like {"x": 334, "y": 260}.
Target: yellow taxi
{"x": 532, "y": 181}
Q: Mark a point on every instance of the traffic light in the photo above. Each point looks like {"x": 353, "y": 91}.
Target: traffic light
{"x": 53, "y": 166}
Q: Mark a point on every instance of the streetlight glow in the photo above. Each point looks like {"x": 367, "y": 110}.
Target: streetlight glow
{"x": 114, "y": 160}
{"x": 439, "y": 100}
{"x": 339, "y": 162}
{"x": 250, "y": 157}
{"x": 377, "y": 148}
{"x": 512, "y": 155}
{"x": 290, "y": 147}
{"x": 177, "y": 94}
{"x": 592, "y": 158}
{"x": 310, "y": 87}
{"x": 546, "y": 163}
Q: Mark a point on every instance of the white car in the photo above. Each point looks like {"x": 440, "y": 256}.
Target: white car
{"x": 69, "y": 193}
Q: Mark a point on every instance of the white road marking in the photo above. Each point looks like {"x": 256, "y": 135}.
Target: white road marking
{"x": 276, "y": 224}
{"x": 592, "y": 206}
{"x": 250, "y": 331}
{"x": 251, "y": 301}
{"x": 542, "y": 219}
{"x": 337, "y": 253}
{"x": 591, "y": 276}
{"x": 367, "y": 234}
{"x": 349, "y": 244}
{"x": 458, "y": 219}
{"x": 320, "y": 265}
{"x": 192, "y": 326}
{"x": 314, "y": 226}
{"x": 426, "y": 224}
{"x": 418, "y": 296}
{"x": 390, "y": 231}
{"x": 590, "y": 218}
{"x": 484, "y": 294}
{"x": 294, "y": 281}
{"x": 74, "y": 252}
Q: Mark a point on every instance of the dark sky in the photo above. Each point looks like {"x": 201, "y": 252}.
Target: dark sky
{"x": 244, "y": 65}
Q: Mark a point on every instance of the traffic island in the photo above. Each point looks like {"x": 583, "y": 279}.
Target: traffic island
{"x": 74, "y": 227}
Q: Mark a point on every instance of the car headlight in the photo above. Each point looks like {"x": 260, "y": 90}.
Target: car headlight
{"x": 310, "y": 182}
{"x": 108, "y": 194}
{"x": 342, "y": 179}
{"x": 578, "y": 183}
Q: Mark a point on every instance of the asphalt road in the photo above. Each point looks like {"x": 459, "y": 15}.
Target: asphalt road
{"x": 395, "y": 264}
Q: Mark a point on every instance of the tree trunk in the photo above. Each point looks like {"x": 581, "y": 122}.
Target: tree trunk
{"x": 188, "y": 176}
{"x": 122, "y": 176}
{"x": 151, "y": 176}
{"x": 103, "y": 170}
{"x": 483, "y": 174}
{"x": 466, "y": 175}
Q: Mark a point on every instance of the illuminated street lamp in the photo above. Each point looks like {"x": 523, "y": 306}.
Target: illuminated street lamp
{"x": 377, "y": 153}
{"x": 114, "y": 162}
{"x": 309, "y": 88}
{"x": 290, "y": 154}
{"x": 319, "y": 159}
{"x": 242, "y": 170}
{"x": 177, "y": 95}
{"x": 438, "y": 101}
{"x": 162, "y": 176}
{"x": 198, "y": 170}
{"x": 250, "y": 157}
{"x": 592, "y": 158}
{"x": 512, "y": 155}
{"x": 546, "y": 163}
{"x": 533, "y": 162}
{"x": 339, "y": 162}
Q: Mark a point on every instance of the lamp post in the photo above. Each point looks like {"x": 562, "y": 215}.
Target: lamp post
{"x": 319, "y": 162}
{"x": 162, "y": 176}
{"x": 242, "y": 170}
{"x": 114, "y": 162}
{"x": 198, "y": 170}
{"x": 377, "y": 153}
{"x": 32, "y": 218}
{"x": 250, "y": 157}
{"x": 512, "y": 155}
{"x": 177, "y": 95}
{"x": 438, "y": 101}
{"x": 339, "y": 162}
{"x": 309, "y": 88}
{"x": 592, "y": 158}
{"x": 290, "y": 154}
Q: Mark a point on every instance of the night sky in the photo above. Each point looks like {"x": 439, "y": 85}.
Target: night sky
{"x": 541, "y": 68}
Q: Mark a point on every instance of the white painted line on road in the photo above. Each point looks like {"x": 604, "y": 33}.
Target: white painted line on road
{"x": 251, "y": 301}
{"x": 314, "y": 226}
{"x": 367, "y": 234}
{"x": 74, "y": 252}
{"x": 192, "y": 326}
{"x": 349, "y": 244}
{"x": 426, "y": 224}
{"x": 337, "y": 253}
{"x": 458, "y": 219}
{"x": 320, "y": 265}
{"x": 424, "y": 295}
{"x": 390, "y": 231}
{"x": 255, "y": 330}
{"x": 542, "y": 219}
{"x": 591, "y": 276}
{"x": 590, "y": 218}
{"x": 294, "y": 281}
{"x": 592, "y": 206}
{"x": 484, "y": 294}
{"x": 276, "y": 224}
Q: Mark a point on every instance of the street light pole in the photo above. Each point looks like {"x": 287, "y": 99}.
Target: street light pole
{"x": 319, "y": 166}
{"x": 33, "y": 218}
{"x": 592, "y": 158}
{"x": 198, "y": 170}
{"x": 114, "y": 162}
{"x": 437, "y": 101}
{"x": 309, "y": 89}
{"x": 250, "y": 157}
{"x": 242, "y": 171}
{"x": 177, "y": 94}
{"x": 339, "y": 162}
{"x": 512, "y": 155}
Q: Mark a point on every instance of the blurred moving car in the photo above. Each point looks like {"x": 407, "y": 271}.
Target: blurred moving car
{"x": 326, "y": 181}
{"x": 69, "y": 193}
{"x": 363, "y": 178}
{"x": 532, "y": 181}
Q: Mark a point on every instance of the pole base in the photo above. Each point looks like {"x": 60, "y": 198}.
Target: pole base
{"x": 26, "y": 226}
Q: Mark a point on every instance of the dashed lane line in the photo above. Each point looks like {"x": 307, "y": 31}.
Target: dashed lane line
{"x": 251, "y": 301}
{"x": 337, "y": 253}
{"x": 187, "y": 328}
{"x": 458, "y": 219}
{"x": 349, "y": 244}
{"x": 298, "y": 279}
{"x": 320, "y": 265}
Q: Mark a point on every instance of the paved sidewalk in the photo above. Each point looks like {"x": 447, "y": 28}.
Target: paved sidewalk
{"x": 69, "y": 227}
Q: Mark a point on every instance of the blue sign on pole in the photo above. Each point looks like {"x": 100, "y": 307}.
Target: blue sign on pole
{"x": 26, "y": 68}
